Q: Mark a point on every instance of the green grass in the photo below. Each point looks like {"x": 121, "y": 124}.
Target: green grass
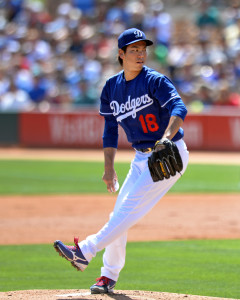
{"x": 210, "y": 268}
{"x": 50, "y": 177}
{"x": 200, "y": 178}
{"x": 68, "y": 177}
{"x": 203, "y": 267}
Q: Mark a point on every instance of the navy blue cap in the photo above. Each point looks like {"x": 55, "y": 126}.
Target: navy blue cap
{"x": 131, "y": 36}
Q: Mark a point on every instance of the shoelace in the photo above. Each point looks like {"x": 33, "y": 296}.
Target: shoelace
{"x": 74, "y": 248}
{"x": 103, "y": 280}
{"x": 76, "y": 242}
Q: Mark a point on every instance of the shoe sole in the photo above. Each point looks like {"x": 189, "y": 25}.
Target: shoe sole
{"x": 97, "y": 291}
{"x": 55, "y": 245}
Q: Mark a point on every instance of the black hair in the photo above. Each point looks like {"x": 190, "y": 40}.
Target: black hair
{"x": 119, "y": 58}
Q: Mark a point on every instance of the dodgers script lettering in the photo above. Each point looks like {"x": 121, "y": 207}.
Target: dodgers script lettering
{"x": 131, "y": 107}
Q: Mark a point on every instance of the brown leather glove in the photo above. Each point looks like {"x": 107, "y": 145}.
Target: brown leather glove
{"x": 165, "y": 162}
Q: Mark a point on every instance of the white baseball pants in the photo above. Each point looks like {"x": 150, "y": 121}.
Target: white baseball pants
{"x": 136, "y": 198}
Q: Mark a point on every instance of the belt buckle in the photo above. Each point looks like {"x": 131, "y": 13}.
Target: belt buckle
{"x": 148, "y": 150}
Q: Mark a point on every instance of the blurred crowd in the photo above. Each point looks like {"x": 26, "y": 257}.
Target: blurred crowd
{"x": 59, "y": 56}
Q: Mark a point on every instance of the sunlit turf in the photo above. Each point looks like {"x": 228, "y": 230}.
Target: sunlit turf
{"x": 203, "y": 267}
{"x": 69, "y": 177}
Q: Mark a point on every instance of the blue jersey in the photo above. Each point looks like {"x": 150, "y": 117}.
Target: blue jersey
{"x": 142, "y": 106}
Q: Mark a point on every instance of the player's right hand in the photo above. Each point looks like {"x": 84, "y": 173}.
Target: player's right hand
{"x": 110, "y": 179}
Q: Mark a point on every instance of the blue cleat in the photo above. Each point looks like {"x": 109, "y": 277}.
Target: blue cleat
{"x": 72, "y": 254}
{"x": 104, "y": 285}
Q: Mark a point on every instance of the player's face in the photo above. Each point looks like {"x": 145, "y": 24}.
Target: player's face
{"x": 135, "y": 56}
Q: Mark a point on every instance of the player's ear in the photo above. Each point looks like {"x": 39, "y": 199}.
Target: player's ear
{"x": 120, "y": 53}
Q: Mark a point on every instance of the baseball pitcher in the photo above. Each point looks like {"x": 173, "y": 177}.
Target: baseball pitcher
{"x": 147, "y": 106}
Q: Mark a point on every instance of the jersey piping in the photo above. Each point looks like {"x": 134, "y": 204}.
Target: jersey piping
{"x": 102, "y": 113}
{"x": 169, "y": 100}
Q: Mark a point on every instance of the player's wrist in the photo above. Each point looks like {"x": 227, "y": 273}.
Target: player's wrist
{"x": 160, "y": 144}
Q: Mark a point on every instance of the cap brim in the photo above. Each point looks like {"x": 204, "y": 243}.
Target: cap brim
{"x": 148, "y": 42}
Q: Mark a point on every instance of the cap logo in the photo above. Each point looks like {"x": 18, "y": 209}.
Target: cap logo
{"x": 138, "y": 33}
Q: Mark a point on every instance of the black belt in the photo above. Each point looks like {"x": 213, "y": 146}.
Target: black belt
{"x": 146, "y": 150}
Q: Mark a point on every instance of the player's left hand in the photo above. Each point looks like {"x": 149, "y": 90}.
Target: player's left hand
{"x": 165, "y": 160}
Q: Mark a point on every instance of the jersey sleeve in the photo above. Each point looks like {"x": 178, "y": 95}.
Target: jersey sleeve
{"x": 105, "y": 109}
{"x": 110, "y": 134}
{"x": 168, "y": 97}
{"x": 177, "y": 108}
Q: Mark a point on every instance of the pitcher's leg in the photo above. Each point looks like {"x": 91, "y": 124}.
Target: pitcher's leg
{"x": 137, "y": 203}
{"x": 115, "y": 252}
{"x": 133, "y": 208}
{"x": 114, "y": 258}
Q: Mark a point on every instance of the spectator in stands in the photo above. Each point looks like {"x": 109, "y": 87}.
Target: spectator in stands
{"x": 15, "y": 100}
{"x": 38, "y": 92}
{"x": 206, "y": 94}
{"x": 117, "y": 13}
{"x": 71, "y": 47}
{"x": 161, "y": 25}
{"x": 87, "y": 96}
{"x": 13, "y": 8}
{"x": 87, "y": 7}
{"x": 208, "y": 15}
{"x": 4, "y": 83}
{"x": 226, "y": 97}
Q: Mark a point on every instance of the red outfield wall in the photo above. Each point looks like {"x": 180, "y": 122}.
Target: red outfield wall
{"x": 84, "y": 130}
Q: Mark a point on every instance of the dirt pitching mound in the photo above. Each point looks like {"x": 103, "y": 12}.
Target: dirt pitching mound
{"x": 85, "y": 294}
